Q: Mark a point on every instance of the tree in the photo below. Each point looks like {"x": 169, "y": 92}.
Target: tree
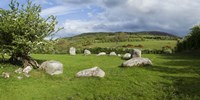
{"x": 120, "y": 37}
{"x": 86, "y": 41}
{"x": 191, "y": 41}
{"x": 22, "y": 29}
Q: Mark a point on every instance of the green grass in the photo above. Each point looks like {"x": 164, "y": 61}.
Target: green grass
{"x": 148, "y": 44}
{"x": 171, "y": 77}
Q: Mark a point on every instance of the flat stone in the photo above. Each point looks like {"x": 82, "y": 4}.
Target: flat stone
{"x": 19, "y": 77}
{"x": 95, "y": 71}
{"x": 136, "y": 62}
{"x": 127, "y": 56}
{"x": 27, "y": 69}
{"x": 5, "y": 75}
{"x": 101, "y": 54}
{"x": 119, "y": 55}
{"x": 113, "y": 54}
{"x": 19, "y": 70}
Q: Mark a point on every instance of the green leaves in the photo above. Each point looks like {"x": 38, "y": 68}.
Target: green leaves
{"x": 191, "y": 41}
{"x": 22, "y": 28}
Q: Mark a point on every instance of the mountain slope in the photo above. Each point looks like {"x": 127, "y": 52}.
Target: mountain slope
{"x": 157, "y": 33}
{"x": 123, "y": 36}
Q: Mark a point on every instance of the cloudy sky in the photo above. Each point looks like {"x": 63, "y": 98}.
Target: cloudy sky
{"x": 79, "y": 16}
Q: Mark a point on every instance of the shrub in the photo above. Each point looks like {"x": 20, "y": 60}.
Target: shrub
{"x": 120, "y": 50}
{"x": 128, "y": 46}
{"x": 191, "y": 41}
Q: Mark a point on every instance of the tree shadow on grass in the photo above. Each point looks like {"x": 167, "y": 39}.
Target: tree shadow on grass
{"x": 6, "y": 61}
{"x": 184, "y": 88}
{"x": 178, "y": 63}
{"x": 184, "y": 72}
{"x": 188, "y": 63}
{"x": 168, "y": 70}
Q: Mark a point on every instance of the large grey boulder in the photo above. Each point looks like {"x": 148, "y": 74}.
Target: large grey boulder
{"x": 101, "y": 54}
{"x": 113, "y": 54}
{"x": 87, "y": 52}
{"x": 136, "y": 53}
{"x": 52, "y": 67}
{"x": 72, "y": 51}
{"x": 95, "y": 71}
{"x": 127, "y": 56}
{"x": 136, "y": 62}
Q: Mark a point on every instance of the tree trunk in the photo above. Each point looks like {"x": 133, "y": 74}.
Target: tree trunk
{"x": 23, "y": 60}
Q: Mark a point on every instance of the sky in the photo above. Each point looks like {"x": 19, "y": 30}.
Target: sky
{"x": 80, "y": 16}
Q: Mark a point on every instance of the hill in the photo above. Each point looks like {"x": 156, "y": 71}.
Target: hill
{"x": 146, "y": 40}
{"x": 157, "y": 33}
{"x": 104, "y": 37}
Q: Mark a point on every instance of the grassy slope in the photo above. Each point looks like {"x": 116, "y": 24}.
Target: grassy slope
{"x": 107, "y": 40}
{"x": 172, "y": 76}
{"x": 151, "y": 44}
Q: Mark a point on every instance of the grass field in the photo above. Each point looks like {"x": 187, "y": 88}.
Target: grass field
{"x": 148, "y": 44}
{"x": 172, "y": 77}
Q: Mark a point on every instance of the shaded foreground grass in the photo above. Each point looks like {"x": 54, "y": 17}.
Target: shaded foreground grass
{"x": 171, "y": 77}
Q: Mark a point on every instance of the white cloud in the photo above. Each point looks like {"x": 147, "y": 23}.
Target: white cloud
{"x": 175, "y": 16}
{"x": 43, "y": 2}
{"x": 58, "y": 11}
{"x": 79, "y": 26}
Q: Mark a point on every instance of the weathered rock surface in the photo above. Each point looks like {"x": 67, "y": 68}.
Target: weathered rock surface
{"x": 127, "y": 56}
{"x": 87, "y": 52}
{"x": 101, "y": 54}
{"x": 19, "y": 70}
{"x": 136, "y": 62}
{"x": 72, "y": 51}
{"x": 95, "y": 71}
{"x": 136, "y": 53}
{"x": 52, "y": 67}
{"x": 19, "y": 77}
{"x": 27, "y": 69}
{"x": 5, "y": 75}
{"x": 113, "y": 54}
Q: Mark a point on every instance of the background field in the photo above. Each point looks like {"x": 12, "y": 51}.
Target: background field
{"x": 148, "y": 44}
{"x": 170, "y": 77}
{"x": 156, "y": 41}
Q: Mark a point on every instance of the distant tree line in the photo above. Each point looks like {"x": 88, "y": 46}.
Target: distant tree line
{"x": 88, "y": 39}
